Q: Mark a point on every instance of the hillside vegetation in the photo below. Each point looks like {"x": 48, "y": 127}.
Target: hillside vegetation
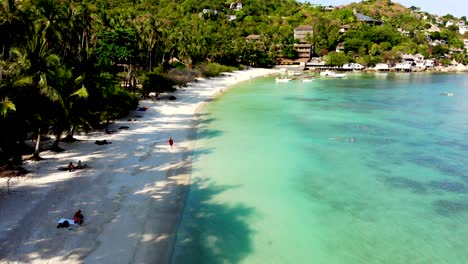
{"x": 68, "y": 65}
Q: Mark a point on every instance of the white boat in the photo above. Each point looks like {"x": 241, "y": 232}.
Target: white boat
{"x": 307, "y": 79}
{"x": 332, "y": 74}
{"x": 282, "y": 79}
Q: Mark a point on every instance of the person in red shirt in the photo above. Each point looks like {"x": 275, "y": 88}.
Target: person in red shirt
{"x": 171, "y": 142}
{"x": 78, "y": 218}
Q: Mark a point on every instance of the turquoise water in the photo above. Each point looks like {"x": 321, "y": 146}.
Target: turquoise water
{"x": 367, "y": 169}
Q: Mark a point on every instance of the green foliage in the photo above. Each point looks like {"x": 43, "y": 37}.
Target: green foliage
{"x": 118, "y": 46}
{"x": 213, "y": 69}
{"x": 158, "y": 83}
{"x": 445, "y": 62}
{"x": 337, "y": 58}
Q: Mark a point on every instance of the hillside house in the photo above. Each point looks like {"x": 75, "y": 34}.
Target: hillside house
{"x": 366, "y": 19}
{"x": 434, "y": 28}
{"x": 344, "y": 28}
{"x": 253, "y": 37}
{"x": 462, "y": 29}
{"x": 340, "y": 47}
{"x": 404, "y": 32}
{"x": 236, "y": 6}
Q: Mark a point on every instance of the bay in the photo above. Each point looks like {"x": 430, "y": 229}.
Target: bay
{"x": 367, "y": 169}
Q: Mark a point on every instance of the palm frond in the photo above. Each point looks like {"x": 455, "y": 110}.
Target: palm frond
{"x": 82, "y": 92}
{"x": 6, "y": 106}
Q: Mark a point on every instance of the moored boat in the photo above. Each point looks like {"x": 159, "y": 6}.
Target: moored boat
{"x": 282, "y": 79}
{"x": 332, "y": 74}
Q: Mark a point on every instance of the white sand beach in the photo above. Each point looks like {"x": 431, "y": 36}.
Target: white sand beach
{"x": 132, "y": 196}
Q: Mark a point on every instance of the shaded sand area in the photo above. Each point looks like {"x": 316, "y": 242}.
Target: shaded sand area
{"x": 132, "y": 195}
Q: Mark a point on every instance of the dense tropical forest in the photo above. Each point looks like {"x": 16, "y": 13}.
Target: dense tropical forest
{"x": 73, "y": 65}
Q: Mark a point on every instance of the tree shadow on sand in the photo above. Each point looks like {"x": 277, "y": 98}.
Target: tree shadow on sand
{"x": 212, "y": 232}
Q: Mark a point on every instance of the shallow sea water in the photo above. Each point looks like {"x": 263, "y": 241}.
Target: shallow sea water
{"x": 367, "y": 169}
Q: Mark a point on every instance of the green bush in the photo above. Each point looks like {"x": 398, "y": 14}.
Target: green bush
{"x": 213, "y": 69}
{"x": 181, "y": 77}
{"x": 157, "y": 83}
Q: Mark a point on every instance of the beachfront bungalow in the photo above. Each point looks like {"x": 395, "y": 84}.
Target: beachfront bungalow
{"x": 382, "y": 67}
{"x": 429, "y": 64}
{"x": 405, "y": 66}
{"x": 353, "y": 66}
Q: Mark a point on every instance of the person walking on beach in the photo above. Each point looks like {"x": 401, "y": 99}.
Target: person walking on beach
{"x": 171, "y": 142}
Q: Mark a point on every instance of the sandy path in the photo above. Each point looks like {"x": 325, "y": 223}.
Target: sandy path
{"x": 132, "y": 196}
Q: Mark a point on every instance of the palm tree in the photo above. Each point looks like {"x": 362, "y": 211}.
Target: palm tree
{"x": 13, "y": 22}
{"x": 37, "y": 64}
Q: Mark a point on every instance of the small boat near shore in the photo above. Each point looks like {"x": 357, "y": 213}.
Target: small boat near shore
{"x": 332, "y": 74}
{"x": 282, "y": 79}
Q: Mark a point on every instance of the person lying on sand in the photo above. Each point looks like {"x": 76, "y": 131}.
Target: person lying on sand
{"x": 71, "y": 167}
{"x": 102, "y": 142}
{"x": 65, "y": 222}
{"x": 81, "y": 166}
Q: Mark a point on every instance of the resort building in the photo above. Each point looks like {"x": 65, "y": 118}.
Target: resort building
{"x": 304, "y": 48}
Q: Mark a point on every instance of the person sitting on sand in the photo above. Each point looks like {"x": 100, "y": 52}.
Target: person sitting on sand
{"x": 71, "y": 167}
{"x": 78, "y": 218}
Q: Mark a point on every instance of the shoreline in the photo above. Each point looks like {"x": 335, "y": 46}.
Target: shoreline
{"x": 132, "y": 196}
